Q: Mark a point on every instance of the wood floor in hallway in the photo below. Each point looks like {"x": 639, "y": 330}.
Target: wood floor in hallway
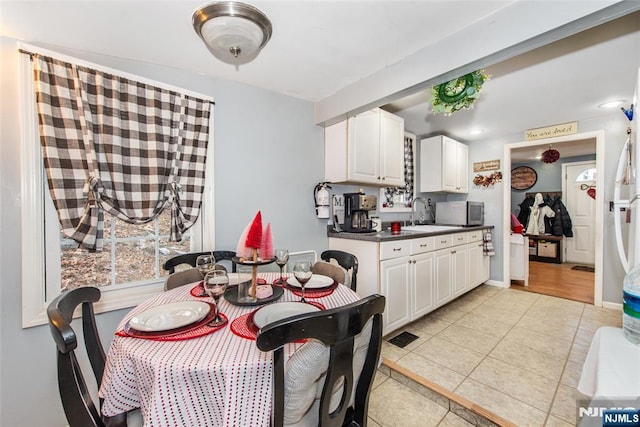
{"x": 558, "y": 280}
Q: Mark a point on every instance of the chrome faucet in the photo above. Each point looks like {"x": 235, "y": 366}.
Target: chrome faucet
{"x": 413, "y": 204}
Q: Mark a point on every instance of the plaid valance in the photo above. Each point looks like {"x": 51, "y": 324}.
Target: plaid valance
{"x": 408, "y": 173}
{"x": 125, "y": 147}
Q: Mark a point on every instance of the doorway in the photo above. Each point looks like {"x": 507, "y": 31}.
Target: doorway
{"x": 598, "y": 136}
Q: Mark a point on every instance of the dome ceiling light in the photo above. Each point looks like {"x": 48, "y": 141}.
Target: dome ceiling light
{"x": 234, "y": 32}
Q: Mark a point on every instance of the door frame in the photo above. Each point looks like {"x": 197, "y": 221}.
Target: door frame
{"x": 599, "y": 226}
{"x": 564, "y": 192}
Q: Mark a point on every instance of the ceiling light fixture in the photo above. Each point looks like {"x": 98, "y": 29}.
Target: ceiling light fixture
{"x": 611, "y": 104}
{"x": 234, "y": 32}
{"x": 476, "y": 131}
{"x": 550, "y": 156}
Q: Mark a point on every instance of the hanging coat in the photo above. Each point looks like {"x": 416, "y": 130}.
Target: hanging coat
{"x": 539, "y": 211}
{"x": 561, "y": 223}
{"x": 525, "y": 210}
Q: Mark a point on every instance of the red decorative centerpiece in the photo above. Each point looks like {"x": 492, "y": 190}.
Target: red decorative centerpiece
{"x": 255, "y": 247}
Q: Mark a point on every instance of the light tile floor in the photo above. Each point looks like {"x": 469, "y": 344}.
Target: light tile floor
{"x": 517, "y": 354}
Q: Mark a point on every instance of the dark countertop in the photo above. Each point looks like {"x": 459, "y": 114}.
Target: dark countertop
{"x": 386, "y": 236}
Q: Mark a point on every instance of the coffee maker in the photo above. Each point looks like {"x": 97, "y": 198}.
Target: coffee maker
{"x": 356, "y": 212}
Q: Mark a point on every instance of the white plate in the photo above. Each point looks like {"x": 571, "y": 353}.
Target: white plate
{"x": 170, "y": 316}
{"x": 272, "y": 312}
{"x": 316, "y": 281}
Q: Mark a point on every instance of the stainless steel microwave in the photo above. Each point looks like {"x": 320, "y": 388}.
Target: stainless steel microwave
{"x": 463, "y": 213}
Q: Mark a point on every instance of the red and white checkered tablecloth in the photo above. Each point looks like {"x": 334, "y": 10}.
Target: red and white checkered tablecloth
{"x": 219, "y": 379}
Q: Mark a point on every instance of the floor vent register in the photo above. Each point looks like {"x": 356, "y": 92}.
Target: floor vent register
{"x": 404, "y": 339}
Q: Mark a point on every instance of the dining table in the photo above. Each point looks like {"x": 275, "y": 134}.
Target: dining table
{"x": 203, "y": 376}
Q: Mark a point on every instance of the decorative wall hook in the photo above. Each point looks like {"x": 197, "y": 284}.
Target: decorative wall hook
{"x": 628, "y": 112}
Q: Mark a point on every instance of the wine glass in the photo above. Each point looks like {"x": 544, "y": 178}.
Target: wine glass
{"x": 302, "y": 273}
{"x": 282, "y": 258}
{"x": 205, "y": 263}
{"x": 215, "y": 283}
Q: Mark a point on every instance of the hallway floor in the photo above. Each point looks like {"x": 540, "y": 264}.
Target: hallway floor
{"x": 516, "y": 354}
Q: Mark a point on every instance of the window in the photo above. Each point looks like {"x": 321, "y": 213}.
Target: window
{"x": 398, "y": 199}
{"x": 129, "y": 269}
{"x": 587, "y": 175}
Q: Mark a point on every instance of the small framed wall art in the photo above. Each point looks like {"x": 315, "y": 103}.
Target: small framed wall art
{"x": 523, "y": 178}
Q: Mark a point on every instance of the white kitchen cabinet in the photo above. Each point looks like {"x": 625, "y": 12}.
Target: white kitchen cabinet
{"x": 395, "y": 286}
{"x": 444, "y": 165}
{"x": 442, "y": 263}
{"x": 417, "y": 275}
{"x": 366, "y": 149}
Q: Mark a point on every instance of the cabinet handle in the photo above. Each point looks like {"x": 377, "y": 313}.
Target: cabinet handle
{"x": 453, "y": 252}
{"x": 423, "y": 245}
{"x": 383, "y": 178}
{"x": 443, "y": 241}
{"x": 378, "y": 178}
{"x": 397, "y": 249}
{"x": 414, "y": 261}
{"x": 480, "y": 245}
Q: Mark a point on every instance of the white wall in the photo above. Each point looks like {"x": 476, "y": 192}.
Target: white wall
{"x": 268, "y": 157}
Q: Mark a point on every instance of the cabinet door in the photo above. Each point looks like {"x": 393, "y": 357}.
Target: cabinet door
{"x": 391, "y": 149}
{"x": 442, "y": 260}
{"x": 462, "y": 168}
{"x": 422, "y": 275}
{"x": 394, "y": 283}
{"x": 459, "y": 273}
{"x": 364, "y": 147}
{"x": 476, "y": 268}
{"x": 450, "y": 180}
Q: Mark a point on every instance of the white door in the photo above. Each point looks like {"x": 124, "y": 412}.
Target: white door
{"x": 580, "y": 181}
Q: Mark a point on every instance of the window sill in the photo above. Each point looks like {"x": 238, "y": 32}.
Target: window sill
{"x": 110, "y": 300}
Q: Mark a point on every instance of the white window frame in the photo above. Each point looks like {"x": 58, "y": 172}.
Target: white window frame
{"x": 36, "y": 292}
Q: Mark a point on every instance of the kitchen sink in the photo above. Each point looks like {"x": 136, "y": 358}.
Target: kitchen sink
{"x": 430, "y": 228}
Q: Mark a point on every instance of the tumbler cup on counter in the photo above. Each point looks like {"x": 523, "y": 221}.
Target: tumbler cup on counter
{"x": 395, "y": 227}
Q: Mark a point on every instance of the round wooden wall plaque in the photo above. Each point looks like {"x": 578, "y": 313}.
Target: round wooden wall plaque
{"x": 523, "y": 178}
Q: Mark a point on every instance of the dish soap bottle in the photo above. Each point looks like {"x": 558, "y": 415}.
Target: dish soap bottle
{"x": 631, "y": 305}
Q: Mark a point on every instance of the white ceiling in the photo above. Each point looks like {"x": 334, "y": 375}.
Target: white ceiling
{"x": 319, "y": 47}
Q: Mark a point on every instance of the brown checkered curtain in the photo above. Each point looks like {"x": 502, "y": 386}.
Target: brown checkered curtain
{"x": 408, "y": 172}
{"x": 125, "y": 147}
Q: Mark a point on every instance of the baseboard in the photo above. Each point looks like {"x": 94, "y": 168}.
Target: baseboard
{"x": 497, "y": 283}
{"x": 612, "y": 305}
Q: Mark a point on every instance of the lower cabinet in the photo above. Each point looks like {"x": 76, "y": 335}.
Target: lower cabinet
{"x": 422, "y": 273}
{"x": 395, "y": 286}
{"x": 417, "y": 275}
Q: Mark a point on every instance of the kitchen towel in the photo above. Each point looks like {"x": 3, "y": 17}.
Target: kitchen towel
{"x": 487, "y": 246}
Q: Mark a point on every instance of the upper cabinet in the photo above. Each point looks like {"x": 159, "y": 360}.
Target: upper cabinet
{"x": 444, "y": 165}
{"x": 366, "y": 149}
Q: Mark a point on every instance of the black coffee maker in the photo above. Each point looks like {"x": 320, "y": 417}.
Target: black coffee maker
{"x": 356, "y": 212}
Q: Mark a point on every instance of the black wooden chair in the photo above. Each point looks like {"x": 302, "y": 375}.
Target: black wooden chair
{"x": 190, "y": 258}
{"x": 342, "y": 364}
{"x": 79, "y": 407}
{"x": 346, "y": 260}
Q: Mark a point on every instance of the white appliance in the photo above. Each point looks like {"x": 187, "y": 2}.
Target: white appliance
{"x": 627, "y": 192}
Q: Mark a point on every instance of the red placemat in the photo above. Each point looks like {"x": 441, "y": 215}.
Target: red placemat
{"x": 198, "y": 291}
{"x": 244, "y": 327}
{"x": 194, "y": 330}
{"x": 313, "y": 293}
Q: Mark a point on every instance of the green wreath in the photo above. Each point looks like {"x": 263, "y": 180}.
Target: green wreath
{"x": 457, "y": 94}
